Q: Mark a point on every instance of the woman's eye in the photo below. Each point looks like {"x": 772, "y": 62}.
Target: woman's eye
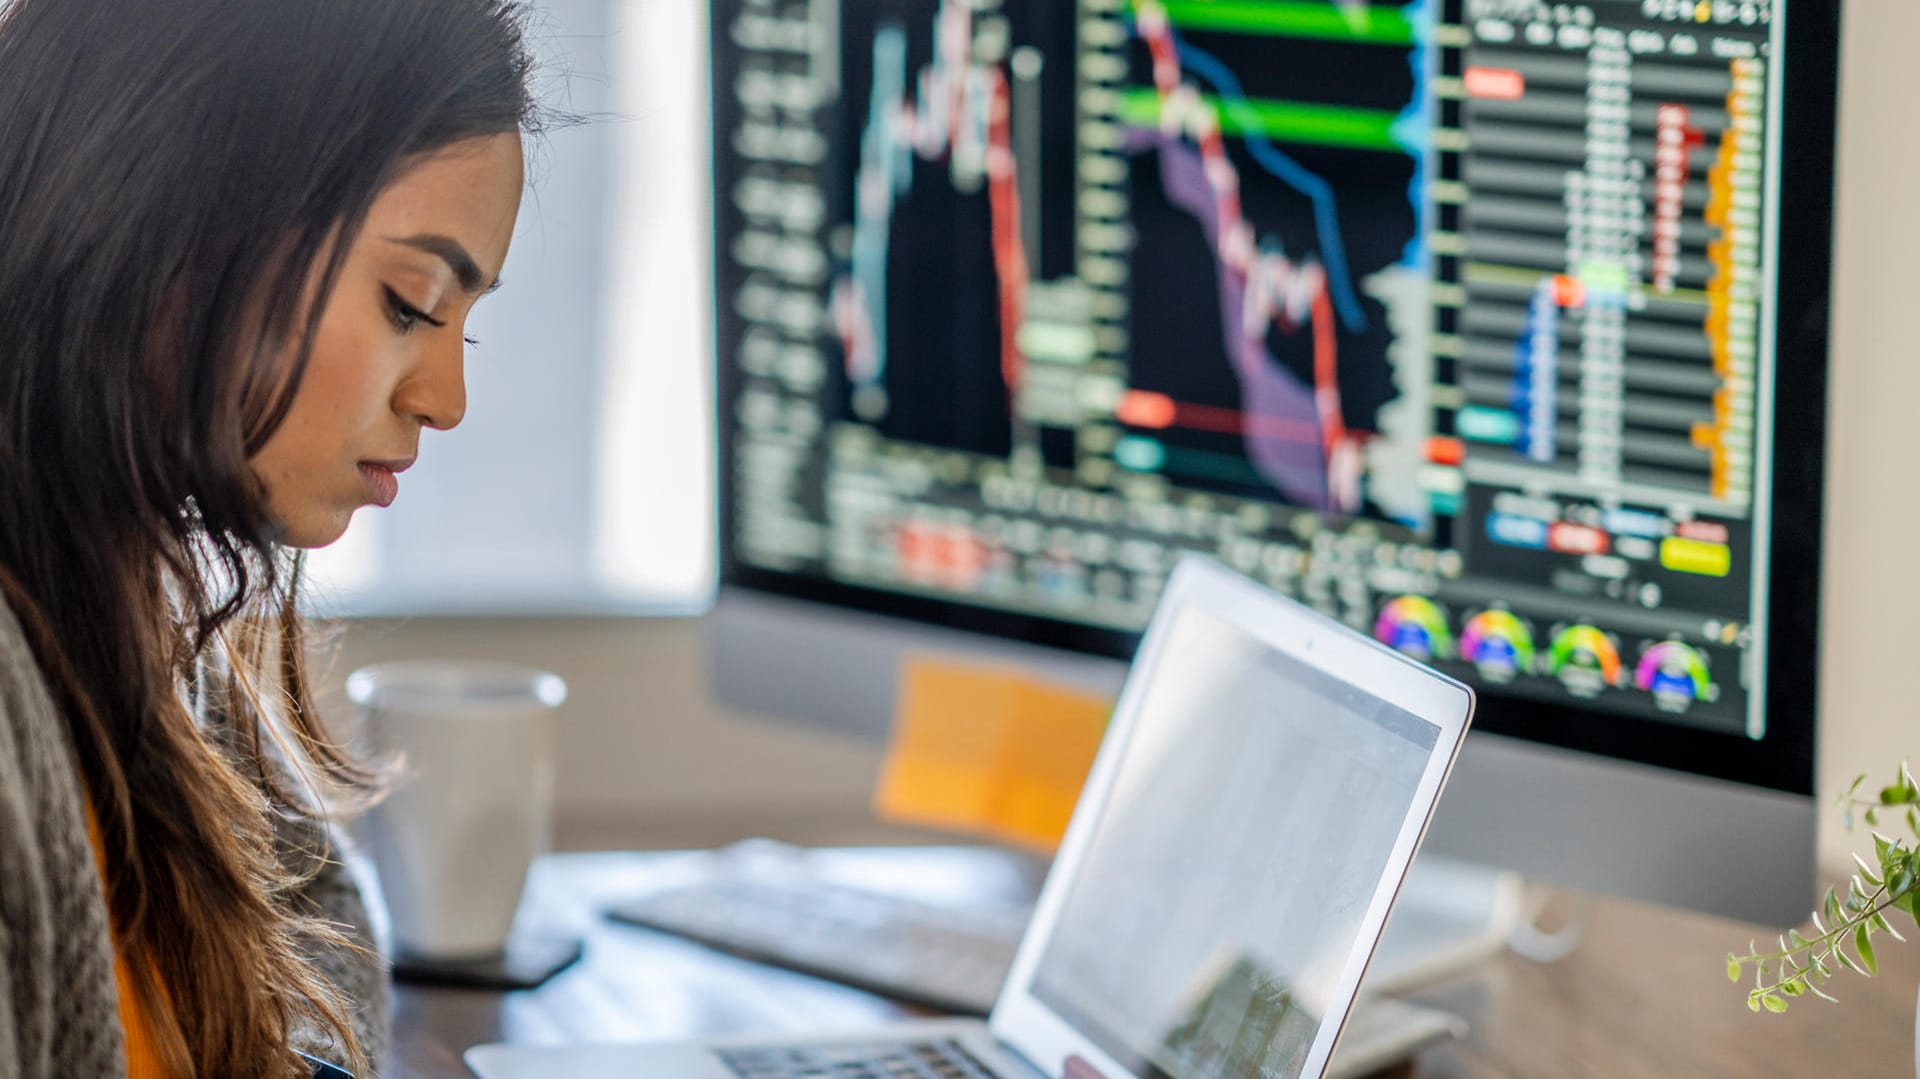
{"x": 406, "y": 316}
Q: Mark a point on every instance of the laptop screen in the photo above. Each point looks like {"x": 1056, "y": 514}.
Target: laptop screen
{"x": 1251, "y": 819}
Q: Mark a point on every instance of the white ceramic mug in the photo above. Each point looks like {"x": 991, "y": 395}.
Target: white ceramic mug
{"x": 474, "y": 801}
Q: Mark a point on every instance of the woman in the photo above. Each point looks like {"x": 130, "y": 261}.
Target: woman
{"x": 238, "y": 243}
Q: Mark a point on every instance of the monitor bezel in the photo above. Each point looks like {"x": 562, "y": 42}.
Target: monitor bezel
{"x": 1784, "y": 759}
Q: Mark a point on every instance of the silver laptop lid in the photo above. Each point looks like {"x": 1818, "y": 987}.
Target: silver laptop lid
{"x": 1254, "y": 807}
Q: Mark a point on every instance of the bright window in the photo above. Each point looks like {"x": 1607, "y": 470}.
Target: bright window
{"x": 581, "y": 480}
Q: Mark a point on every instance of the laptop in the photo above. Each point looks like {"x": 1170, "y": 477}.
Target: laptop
{"x": 1264, "y": 784}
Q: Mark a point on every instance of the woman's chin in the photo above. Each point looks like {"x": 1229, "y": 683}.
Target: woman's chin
{"x": 310, "y": 532}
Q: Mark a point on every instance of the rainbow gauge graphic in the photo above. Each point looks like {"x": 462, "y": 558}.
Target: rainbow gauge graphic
{"x": 1585, "y": 660}
{"x": 1676, "y": 674}
{"x": 1499, "y": 644}
{"x": 1416, "y": 626}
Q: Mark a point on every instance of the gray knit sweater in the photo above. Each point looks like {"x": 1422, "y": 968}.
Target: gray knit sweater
{"x": 59, "y": 1002}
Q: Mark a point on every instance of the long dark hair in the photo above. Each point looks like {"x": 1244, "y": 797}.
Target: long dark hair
{"x": 180, "y": 181}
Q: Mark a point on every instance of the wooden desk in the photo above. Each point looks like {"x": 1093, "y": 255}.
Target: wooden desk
{"x": 1645, "y": 995}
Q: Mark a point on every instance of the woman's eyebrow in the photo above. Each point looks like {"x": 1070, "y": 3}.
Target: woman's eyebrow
{"x": 449, "y": 250}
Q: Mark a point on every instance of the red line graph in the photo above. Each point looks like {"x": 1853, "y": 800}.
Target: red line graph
{"x": 1279, "y": 292}
{"x": 1009, "y": 256}
{"x": 1156, "y": 411}
{"x": 961, "y": 110}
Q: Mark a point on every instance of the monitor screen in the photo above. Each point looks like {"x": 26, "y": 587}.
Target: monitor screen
{"x": 1464, "y": 321}
{"x": 1222, "y": 893}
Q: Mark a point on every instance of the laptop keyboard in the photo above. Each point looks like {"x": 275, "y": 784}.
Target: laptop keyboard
{"x": 917, "y": 1060}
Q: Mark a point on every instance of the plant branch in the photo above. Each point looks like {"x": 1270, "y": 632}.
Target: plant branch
{"x": 1832, "y": 936}
{"x": 1804, "y": 965}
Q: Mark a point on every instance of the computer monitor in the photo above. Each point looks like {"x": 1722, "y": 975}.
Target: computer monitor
{"x": 1497, "y": 328}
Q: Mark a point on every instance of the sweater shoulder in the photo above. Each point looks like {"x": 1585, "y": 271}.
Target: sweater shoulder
{"x": 34, "y": 742}
{"x": 18, "y": 668}
{"x": 58, "y": 998}
{"x": 32, "y": 738}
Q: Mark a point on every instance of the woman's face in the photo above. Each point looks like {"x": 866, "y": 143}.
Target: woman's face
{"x": 389, "y": 356}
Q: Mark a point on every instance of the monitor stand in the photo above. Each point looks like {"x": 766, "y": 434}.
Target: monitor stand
{"x": 1451, "y": 916}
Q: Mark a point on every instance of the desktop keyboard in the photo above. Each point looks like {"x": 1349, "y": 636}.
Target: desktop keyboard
{"x": 951, "y": 960}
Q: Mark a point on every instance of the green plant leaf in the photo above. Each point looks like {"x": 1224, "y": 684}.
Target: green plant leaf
{"x": 1873, "y": 817}
{"x": 1900, "y": 882}
{"x": 1898, "y": 859}
{"x": 1796, "y": 941}
{"x": 1863, "y": 943}
{"x": 1913, "y": 821}
{"x": 1881, "y": 925}
{"x": 1848, "y": 961}
{"x": 1792, "y": 988}
{"x": 1854, "y": 787}
{"x": 1831, "y": 904}
{"x": 1733, "y": 968}
{"x": 1893, "y": 796}
{"x": 1774, "y": 1004}
{"x": 1753, "y": 1002}
{"x": 1866, "y": 870}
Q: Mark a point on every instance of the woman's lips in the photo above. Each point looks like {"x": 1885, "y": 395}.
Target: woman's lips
{"x": 383, "y": 481}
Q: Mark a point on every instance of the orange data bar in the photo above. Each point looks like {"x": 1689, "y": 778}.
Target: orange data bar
{"x": 1569, "y": 292}
{"x": 1153, "y": 411}
{"x": 1442, "y": 450}
{"x": 1496, "y": 83}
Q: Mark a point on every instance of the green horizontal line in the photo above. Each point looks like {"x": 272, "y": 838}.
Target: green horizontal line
{"x": 1286, "y": 121}
{"x": 1369, "y": 24}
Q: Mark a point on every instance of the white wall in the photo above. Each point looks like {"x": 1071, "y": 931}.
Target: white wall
{"x": 1868, "y": 703}
{"x": 646, "y": 760}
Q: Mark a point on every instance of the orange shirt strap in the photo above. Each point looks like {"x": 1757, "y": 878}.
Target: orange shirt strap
{"x": 143, "y": 1054}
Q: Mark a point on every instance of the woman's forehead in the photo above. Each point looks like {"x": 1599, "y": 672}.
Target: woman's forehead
{"x": 468, "y": 193}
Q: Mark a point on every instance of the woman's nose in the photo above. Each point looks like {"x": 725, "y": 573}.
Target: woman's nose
{"x": 436, "y": 393}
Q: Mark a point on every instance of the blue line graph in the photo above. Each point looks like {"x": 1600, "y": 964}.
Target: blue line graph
{"x": 886, "y": 175}
{"x": 1271, "y": 158}
{"x": 1415, "y": 128}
